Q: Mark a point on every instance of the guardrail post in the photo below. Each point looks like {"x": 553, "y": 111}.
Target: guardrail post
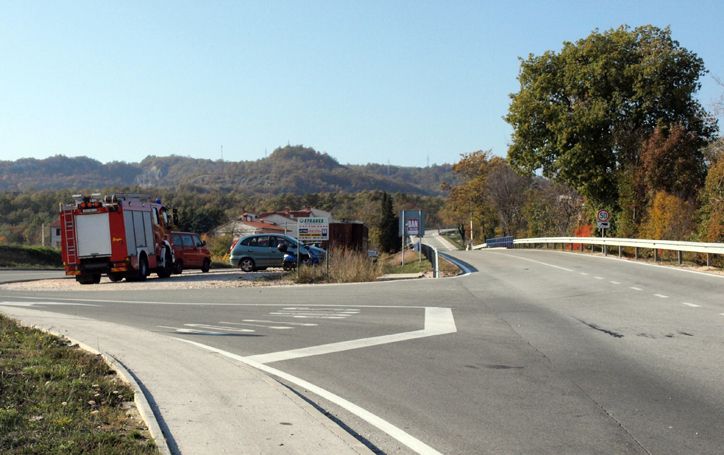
{"x": 656, "y": 255}
{"x": 619, "y": 251}
{"x": 678, "y": 257}
{"x": 605, "y": 249}
{"x": 436, "y": 272}
{"x": 636, "y": 253}
{"x": 708, "y": 261}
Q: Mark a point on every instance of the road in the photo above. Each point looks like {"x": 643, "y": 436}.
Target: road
{"x": 7, "y": 276}
{"x": 549, "y": 352}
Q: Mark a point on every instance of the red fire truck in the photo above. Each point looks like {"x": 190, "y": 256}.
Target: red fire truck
{"x": 123, "y": 235}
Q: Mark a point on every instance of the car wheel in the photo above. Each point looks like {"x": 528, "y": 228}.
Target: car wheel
{"x": 247, "y": 264}
{"x": 178, "y": 267}
{"x": 206, "y": 266}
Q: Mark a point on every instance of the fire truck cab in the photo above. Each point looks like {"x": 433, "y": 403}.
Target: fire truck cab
{"x": 123, "y": 235}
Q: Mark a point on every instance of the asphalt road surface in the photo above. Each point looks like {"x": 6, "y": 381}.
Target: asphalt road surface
{"x": 7, "y": 276}
{"x": 549, "y": 352}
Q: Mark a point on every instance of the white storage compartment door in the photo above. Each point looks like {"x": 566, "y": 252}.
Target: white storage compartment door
{"x": 93, "y": 233}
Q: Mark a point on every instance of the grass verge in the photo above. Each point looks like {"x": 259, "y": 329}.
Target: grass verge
{"x": 454, "y": 238}
{"x": 58, "y": 399}
{"x": 15, "y": 256}
{"x": 345, "y": 266}
{"x": 413, "y": 263}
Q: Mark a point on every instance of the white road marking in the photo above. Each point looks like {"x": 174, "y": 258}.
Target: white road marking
{"x": 216, "y": 327}
{"x": 156, "y": 302}
{"x": 380, "y": 423}
{"x": 661, "y": 296}
{"x": 598, "y": 277}
{"x": 615, "y": 282}
{"x": 308, "y": 316}
{"x": 692, "y": 305}
{"x": 533, "y": 260}
{"x": 635, "y": 288}
{"x": 303, "y": 324}
{"x": 31, "y": 304}
{"x": 274, "y": 327}
{"x": 438, "y": 321}
{"x": 183, "y": 330}
{"x": 721, "y": 314}
{"x": 583, "y": 273}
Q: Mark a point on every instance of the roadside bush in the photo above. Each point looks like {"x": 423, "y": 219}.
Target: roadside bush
{"x": 29, "y": 256}
{"x": 345, "y": 266}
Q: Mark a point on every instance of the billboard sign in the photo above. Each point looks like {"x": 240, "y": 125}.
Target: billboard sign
{"x": 313, "y": 229}
{"x": 412, "y": 222}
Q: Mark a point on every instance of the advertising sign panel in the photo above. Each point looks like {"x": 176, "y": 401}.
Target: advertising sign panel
{"x": 412, "y": 222}
{"x": 313, "y": 229}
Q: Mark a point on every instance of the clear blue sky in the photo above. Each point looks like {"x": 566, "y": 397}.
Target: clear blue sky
{"x": 365, "y": 81}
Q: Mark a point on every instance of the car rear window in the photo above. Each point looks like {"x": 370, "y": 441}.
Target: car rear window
{"x": 197, "y": 241}
{"x": 188, "y": 241}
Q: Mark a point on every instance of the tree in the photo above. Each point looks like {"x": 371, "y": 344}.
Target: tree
{"x": 467, "y": 200}
{"x": 581, "y": 114}
{"x": 388, "y": 226}
{"x": 712, "y": 196}
{"x": 506, "y": 192}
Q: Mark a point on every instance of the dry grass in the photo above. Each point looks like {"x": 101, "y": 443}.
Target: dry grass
{"x": 345, "y": 266}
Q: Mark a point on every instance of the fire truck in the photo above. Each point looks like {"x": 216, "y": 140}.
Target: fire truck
{"x": 123, "y": 236}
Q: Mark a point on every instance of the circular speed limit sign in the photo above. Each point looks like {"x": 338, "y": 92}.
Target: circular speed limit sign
{"x": 602, "y": 216}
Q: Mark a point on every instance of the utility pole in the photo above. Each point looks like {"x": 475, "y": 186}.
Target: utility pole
{"x": 42, "y": 234}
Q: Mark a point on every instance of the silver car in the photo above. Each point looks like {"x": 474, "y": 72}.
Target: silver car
{"x": 259, "y": 251}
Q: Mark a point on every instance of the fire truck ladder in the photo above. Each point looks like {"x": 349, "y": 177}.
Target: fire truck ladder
{"x": 69, "y": 231}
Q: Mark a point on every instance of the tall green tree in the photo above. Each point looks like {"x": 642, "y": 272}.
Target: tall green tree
{"x": 388, "y": 226}
{"x": 582, "y": 114}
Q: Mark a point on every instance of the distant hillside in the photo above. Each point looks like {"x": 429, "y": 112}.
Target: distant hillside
{"x": 291, "y": 169}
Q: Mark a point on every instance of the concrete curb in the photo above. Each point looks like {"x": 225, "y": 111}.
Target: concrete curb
{"x": 139, "y": 399}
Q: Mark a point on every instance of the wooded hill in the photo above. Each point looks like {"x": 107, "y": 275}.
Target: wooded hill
{"x": 287, "y": 170}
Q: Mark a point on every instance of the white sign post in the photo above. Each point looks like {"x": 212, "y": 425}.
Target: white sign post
{"x": 603, "y": 221}
{"x": 313, "y": 229}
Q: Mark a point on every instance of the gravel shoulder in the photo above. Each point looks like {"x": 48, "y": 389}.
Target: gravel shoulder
{"x": 187, "y": 280}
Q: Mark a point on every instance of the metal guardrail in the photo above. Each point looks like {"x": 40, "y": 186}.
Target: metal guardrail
{"x": 655, "y": 245}
{"x": 499, "y": 242}
{"x": 432, "y": 255}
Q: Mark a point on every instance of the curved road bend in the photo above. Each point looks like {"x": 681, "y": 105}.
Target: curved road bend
{"x": 552, "y": 353}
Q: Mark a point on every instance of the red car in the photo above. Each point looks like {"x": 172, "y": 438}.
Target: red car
{"x": 190, "y": 252}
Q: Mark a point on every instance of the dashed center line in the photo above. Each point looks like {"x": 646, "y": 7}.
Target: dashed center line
{"x": 615, "y": 282}
{"x": 692, "y": 305}
{"x": 273, "y": 327}
{"x": 635, "y": 288}
{"x": 598, "y": 277}
{"x": 661, "y": 296}
{"x": 584, "y": 273}
{"x": 302, "y": 324}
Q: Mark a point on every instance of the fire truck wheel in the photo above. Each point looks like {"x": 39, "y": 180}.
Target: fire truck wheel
{"x": 115, "y": 276}
{"x": 206, "y": 266}
{"x": 142, "y": 269}
{"x": 85, "y": 279}
{"x": 167, "y": 269}
{"x": 247, "y": 264}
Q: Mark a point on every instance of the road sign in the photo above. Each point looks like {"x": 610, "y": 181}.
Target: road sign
{"x": 412, "y": 222}
{"x": 603, "y": 216}
{"x": 603, "y": 224}
{"x": 412, "y": 227}
{"x": 313, "y": 229}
